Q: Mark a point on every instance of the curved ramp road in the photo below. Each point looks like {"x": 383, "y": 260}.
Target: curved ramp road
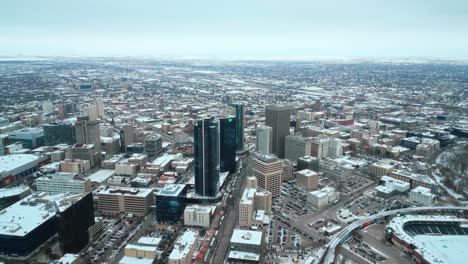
{"x": 329, "y": 255}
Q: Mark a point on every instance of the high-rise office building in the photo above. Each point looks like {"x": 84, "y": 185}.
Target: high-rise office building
{"x": 264, "y": 139}
{"x": 126, "y": 137}
{"x": 47, "y": 107}
{"x": 59, "y": 133}
{"x": 227, "y": 143}
{"x": 153, "y": 145}
{"x": 206, "y": 154}
{"x": 278, "y": 118}
{"x": 239, "y": 108}
{"x": 326, "y": 147}
{"x": 100, "y": 107}
{"x": 74, "y": 220}
{"x": 297, "y": 146}
{"x": 268, "y": 170}
{"x": 87, "y": 132}
{"x": 66, "y": 109}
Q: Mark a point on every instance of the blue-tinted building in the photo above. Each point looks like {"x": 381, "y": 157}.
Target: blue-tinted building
{"x": 31, "y": 137}
{"x": 239, "y": 108}
{"x": 59, "y": 133}
{"x": 206, "y": 154}
{"x": 171, "y": 202}
{"x": 227, "y": 145}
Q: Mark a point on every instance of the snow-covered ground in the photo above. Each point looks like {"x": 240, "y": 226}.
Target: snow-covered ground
{"x": 439, "y": 178}
{"x": 450, "y": 249}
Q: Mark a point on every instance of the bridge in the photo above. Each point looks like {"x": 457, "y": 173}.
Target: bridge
{"x": 329, "y": 254}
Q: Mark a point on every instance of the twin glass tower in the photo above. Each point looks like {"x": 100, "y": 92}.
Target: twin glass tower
{"x": 215, "y": 144}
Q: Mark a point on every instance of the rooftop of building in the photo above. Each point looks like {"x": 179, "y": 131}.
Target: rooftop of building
{"x": 323, "y": 192}
{"x": 265, "y": 157}
{"x": 249, "y": 237}
{"x": 101, "y": 176}
{"x": 307, "y": 173}
{"x": 423, "y": 190}
{"x": 126, "y": 191}
{"x": 11, "y": 162}
{"x": 141, "y": 247}
{"x": 200, "y": 208}
{"x": 152, "y": 241}
{"x": 133, "y": 260}
{"x": 183, "y": 244}
{"x": 243, "y": 256}
{"x": 171, "y": 190}
{"x": 9, "y": 192}
{"x": 27, "y": 214}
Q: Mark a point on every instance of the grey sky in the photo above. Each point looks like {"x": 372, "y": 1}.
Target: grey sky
{"x": 236, "y": 28}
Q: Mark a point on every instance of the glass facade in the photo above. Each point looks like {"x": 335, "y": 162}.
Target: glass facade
{"x": 55, "y": 133}
{"x": 206, "y": 153}
{"x": 73, "y": 225}
{"x": 228, "y": 141}
{"x": 239, "y": 126}
{"x": 170, "y": 203}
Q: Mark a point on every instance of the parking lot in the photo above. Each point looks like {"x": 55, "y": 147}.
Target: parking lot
{"x": 347, "y": 185}
{"x": 116, "y": 233}
{"x": 293, "y": 200}
{"x": 369, "y": 204}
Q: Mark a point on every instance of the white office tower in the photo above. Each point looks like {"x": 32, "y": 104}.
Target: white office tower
{"x": 326, "y": 147}
{"x": 99, "y": 107}
{"x": 264, "y": 139}
{"x": 47, "y": 107}
{"x": 91, "y": 111}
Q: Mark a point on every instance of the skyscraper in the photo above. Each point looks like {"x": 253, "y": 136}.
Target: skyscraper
{"x": 264, "y": 139}
{"x": 278, "y": 118}
{"x": 153, "y": 145}
{"x": 87, "y": 132}
{"x": 239, "y": 126}
{"x": 206, "y": 153}
{"x": 227, "y": 143}
{"x": 268, "y": 170}
{"x": 58, "y": 133}
{"x": 126, "y": 137}
{"x": 297, "y": 146}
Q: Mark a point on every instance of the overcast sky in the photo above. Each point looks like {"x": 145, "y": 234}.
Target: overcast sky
{"x": 235, "y": 28}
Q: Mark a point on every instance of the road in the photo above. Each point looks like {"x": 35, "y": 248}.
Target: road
{"x": 231, "y": 216}
{"x": 329, "y": 254}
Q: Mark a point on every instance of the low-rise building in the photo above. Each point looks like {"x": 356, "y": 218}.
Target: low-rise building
{"x": 184, "y": 247}
{"x": 323, "y": 197}
{"x": 114, "y": 200}
{"x": 75, "y": 166}
{"x": 246, "y": 241}
{"x": 422, "y": 195}
{"x": 307, "y": 179}
{"x": 63, "y": 182}
{"x": 198, "y": 215}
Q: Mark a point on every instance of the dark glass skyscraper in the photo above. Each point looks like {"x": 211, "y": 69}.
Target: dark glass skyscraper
{"x": 278, "y": 118}
{"x": 239, "y": 126}
{"x": 59, "y": 133}
{"x": 74, "y": 222}
{"x": 227, "y": 145}
{"x": 206, "y": 153}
